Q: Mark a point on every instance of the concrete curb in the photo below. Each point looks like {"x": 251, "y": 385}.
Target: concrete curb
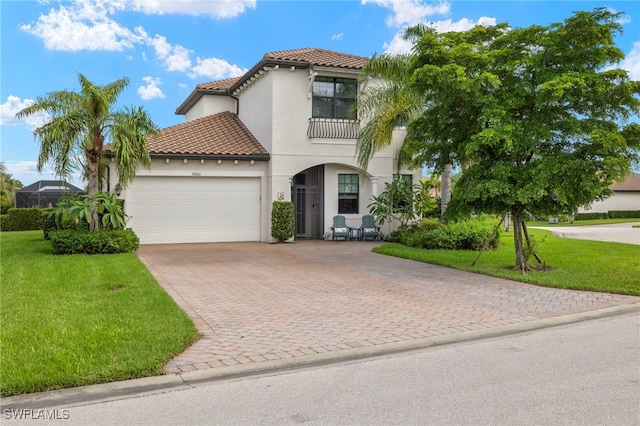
{"x": 94, "y": 394}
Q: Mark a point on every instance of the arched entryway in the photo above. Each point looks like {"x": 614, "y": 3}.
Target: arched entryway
{"x": 308, "y": 201}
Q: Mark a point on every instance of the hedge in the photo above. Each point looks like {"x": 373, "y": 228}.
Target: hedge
{"x": 590, "y": 216}
{"x": 100, "y": 242}
{"x": 614, "y": 214}
{"x": 28, "y": 219}
{"x": 611, "y": 214}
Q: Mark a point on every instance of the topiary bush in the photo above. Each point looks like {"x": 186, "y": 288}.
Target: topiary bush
{"x": 28, "y": 219}
{"x": 282, "y": 220}
{"x": 100, "y": 242}
{"x": 461, "y": 235}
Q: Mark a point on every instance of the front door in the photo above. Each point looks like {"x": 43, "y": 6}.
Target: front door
{"x": 307, "y": 196}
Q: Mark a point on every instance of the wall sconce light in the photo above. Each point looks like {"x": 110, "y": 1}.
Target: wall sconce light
{"x": 235, "y": 161}
{"x": 219, "y": 161}
{"x": 253, "y": 162}
{"x": 202, "y": 161}
{"x": 118, "y": 189}
{"x": 166, "y": 160}
{"x": 185, "y": 161}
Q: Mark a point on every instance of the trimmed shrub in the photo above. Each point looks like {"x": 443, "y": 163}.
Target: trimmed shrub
{"x": 57, "y": 222}
{"x": 101, "y": 242}
{"x": 429, "y": 224}
{"x": 590, "y": 216}
{"x": 22, "y": 219}
{"x": 282, "y": 220}
{"x": 48, "y": 223}
{"x": 623, "y": 214}
{"x": 463, "y": 235}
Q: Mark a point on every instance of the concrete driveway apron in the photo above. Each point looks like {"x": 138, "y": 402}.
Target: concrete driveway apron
{"x": 256, "y": 302}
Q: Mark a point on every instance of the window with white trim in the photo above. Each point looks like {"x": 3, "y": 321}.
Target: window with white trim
{"x": 348, "y": 191}
{"x": 333, "y": 97}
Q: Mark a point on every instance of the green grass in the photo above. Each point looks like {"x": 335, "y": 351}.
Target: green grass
{"x": 75, "y": 320}
{"x": 585, "y": 222}
{"x": 577, "y": 264}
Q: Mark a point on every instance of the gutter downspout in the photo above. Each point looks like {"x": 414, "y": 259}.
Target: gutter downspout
{"x": 237, "y": 104}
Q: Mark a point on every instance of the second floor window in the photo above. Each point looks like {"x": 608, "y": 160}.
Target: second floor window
{"x": 333, "y": 97}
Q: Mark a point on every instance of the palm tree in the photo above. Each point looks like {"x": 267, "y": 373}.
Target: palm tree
{"x": 391, "y": 104}
{"x": 82, "y": 123}
{"x": 8, "y": 187}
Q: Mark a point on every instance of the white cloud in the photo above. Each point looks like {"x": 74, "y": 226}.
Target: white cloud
{"x": 175, "y": 57}
{"x": 337, "y": 36}
{"x": 83, "y": 25}
{"x": 398, "y": 46}
{"x": 26, "y": 168}
{"x": 88, "y": 25}
{"x": 151, "y": 90}
{"x": 12, "y": 106}
{"x": 214, "y": 8}
{"x": 27, "y": 173}
{"x": 631, "y": 62}
{"x": 624, "y": 19}
{"x": 216, "y": 69}
{"x": 410, "y": 12}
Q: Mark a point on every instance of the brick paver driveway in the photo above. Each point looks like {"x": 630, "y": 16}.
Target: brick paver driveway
{"x": 255, "y": 302}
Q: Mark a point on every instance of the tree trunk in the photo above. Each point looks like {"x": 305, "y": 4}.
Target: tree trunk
{"x": 521, "y": 260}
{"x": 92, "y": 189}
{"x": 445, "y": 189}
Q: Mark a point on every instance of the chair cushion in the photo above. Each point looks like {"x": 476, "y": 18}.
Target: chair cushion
{"x": 370, "y": 231}
{"x": 340, "y": 230}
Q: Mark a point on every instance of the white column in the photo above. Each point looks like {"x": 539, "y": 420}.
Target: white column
{"x": 374, "y": 186}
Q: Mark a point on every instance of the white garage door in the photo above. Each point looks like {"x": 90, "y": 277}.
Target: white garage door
{"x": 192, "y": 210}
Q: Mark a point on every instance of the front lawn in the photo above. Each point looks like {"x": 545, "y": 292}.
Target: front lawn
{"x": 78, "y": 319}
{"x": 577, "y": 264}
{"x": 585, "y": 222}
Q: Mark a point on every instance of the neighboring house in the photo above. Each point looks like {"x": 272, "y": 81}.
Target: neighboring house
{"x": 282, "y": 131}
{"x": 44, "y": 193}
{"x": 626, "y": 197}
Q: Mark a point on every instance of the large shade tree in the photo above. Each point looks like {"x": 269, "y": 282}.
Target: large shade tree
{"x": 392, "y": 103}
{"x": 82, "y": 123}
{"x": 541, "y": 116}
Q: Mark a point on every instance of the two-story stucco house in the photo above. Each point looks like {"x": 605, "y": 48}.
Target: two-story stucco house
{"x": 282, "y": 131}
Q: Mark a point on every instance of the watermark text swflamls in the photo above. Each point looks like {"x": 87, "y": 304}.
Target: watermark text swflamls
{"x": 31, "y": 414}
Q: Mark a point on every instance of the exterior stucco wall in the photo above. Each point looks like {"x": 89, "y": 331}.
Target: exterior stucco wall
{"x": 256, "y": 109}
{"x": 619, "y": 201}
{"x": 209, "y": 105}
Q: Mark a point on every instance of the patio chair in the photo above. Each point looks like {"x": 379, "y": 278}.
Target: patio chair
{"x": 369, "y": 229}
{"x": 339, "y": 229}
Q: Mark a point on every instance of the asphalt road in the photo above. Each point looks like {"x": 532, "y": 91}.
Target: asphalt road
{"x": 586, "y": 373}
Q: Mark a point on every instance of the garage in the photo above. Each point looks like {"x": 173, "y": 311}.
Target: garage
{"x": 171, "y": 209}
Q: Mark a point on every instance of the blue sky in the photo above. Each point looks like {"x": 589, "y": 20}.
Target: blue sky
{"x": 167, "y": 47}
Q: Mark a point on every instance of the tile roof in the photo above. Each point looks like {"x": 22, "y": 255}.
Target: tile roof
{"x": 320, "y": 57}
{"x": 221, "y": 85}
{"x": 221, "y": 134}
{"x": 631, "y": 183}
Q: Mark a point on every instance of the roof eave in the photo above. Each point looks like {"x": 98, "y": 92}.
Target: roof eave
{"x": 255, "y": 156}
{"x": 195, "y": 96}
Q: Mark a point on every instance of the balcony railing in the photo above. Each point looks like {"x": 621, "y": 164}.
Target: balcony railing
{"x": 333, "y": 128}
